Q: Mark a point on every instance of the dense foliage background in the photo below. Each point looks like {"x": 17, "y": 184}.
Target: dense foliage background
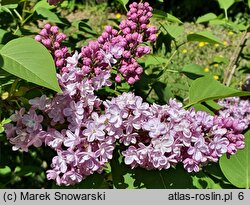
{"x": 195, "y": 40}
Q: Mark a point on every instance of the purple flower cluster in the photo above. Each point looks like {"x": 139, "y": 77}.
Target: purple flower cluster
{"x": 158, "y": 137}
{"x": 236, "y": 108}
{"x": 50, "y": 37}
{"x": 28, "y": 130}
{"x": 118, "y": 49}
{"x": 71, "y": 124}
{"x": 154, "y": 136}
{"x": 83, "y": 130}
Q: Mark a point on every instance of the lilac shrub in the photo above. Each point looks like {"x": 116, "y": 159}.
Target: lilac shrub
{"x": 83, "y": 130}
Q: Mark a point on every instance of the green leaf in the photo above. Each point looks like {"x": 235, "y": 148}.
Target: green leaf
{"x": 208, "y": 106}
{"x": 202, "y": 181}
{"x": 167, "y": 16}
{"x": 8, "y": 7}
{"x": 162, "y": 91}
{"x": 5, "y": 170}
{"x": 4, "y": 121}
{"x": 204, "y": 36}
{"x": 237, "y": 168}
{"x": 124, "y": 3}
{"x": 31, "y": 61}
{"x": 218, "y": 22}
{"x": 43, "y": 4}
{"x": 206, "y": 88}
{"x": 154, "y": 60}
{"x": 121, "y": 174}
{"x": 173, "y": 178}
{"x": 6, "y": 36}
{"x": 213, "y": 105}
{"x": 49, "y": 15}
{"x": 174, "y": 30}
{"x": 193, "y": 71}
{"x": 125, "y": 177}
{"x": 85, "y": 27}
{"x": 205, "y": 18}
{"x": 221, "y": 59}
{"x": 27, "y": 170}
{"x": 201, "y": 107}
{"x": 237, "y": 26}
{"x": 225, "y": 4}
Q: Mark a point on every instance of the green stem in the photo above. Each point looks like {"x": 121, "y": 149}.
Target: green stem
{"x": 226, "y": 14}
{"x": 167, "y": 63}
{"x": 17, "y": 29}
{"x": 18, "y": 15}
{"x": 24, "y": 8}
{"x": 172, "y": 71}
{"x": 25, "y": 20}
{"x": 149, "y": 92}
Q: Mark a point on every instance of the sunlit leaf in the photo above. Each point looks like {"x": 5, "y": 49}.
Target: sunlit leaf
{"x": 174, "y": 30}
{"x": 205, "y": 18}
{"x": 206, "y": 88}
{"x": 167, "y": 16}
{"x": 204, "y": 36}
{"x": 225, "y": 4}
{"x": 31, "y": 61}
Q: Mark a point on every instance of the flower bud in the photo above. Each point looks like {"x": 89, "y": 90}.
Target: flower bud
{"x": 56, "y": 45}
{"x": 86, "y": 69}
{"x": 47, "y": 26}
{"x": 240, "y": 144}
{"x": 44, "y": 33}
{"x": 131, "y": 80}
{"x": 108, "y": 29}
{"x": 58, "y": 53}
{"x": 60, "y": 37}
{"x": 139, "y": 70}
{"x": 54, "y": 29}
{"x": 114, "y": 32}
{"x": 105, "y": 35}
{"x": 126, "y": 30}
{"x": 59, "y": 62}
{"x": 118, "y": 78}
{"x": 38, "y": 38}
{"x": 126, "y": 54}
{"x": 46, "y": 42}
{"x": 152, "y": 38}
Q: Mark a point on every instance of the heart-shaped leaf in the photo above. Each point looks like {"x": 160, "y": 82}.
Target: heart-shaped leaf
{"x": 31, "y": 61}
{"x": 193, "y": 71}
{"x": 174, "y": 30}
{"x": 51, "y": 16}
{"x": 206, "y": 18}
{"x": 206, "y": 88}
{"x": 204, "y": 36}
{"x": 225, "y": 4}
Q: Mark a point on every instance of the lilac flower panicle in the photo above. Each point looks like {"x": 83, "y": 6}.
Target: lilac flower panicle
{"x": 83, "y": 130}
{"x": 52, "y": 39}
